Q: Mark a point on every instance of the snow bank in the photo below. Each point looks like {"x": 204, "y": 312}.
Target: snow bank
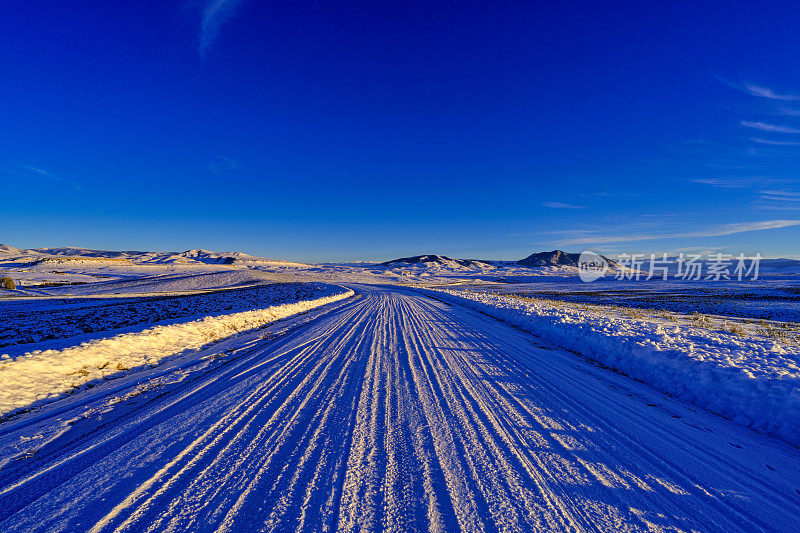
{"x": 37, "y": 320}
{"x": 753, "y": 380}
{"x": 44, "y": 375}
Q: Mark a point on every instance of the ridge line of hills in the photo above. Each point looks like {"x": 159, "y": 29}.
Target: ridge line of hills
{"x": 539, "y": 259}
{"x": 553, "y": 258}
{"x": 559, "y": 258}
{"x": 194, "y": 256}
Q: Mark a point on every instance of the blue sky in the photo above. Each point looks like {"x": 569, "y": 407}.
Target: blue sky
{"x": 370, "y": 130}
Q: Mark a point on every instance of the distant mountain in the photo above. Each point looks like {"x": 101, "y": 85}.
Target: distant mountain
{"x": 10, "y": 250}
{"x": 196, "y": 256}
{"x": 71, "y": 251}
{"x": 554, "y": 258}
{"x": 442, "y": 260}
{"x": 561, "y": 258}
{"x": 780, "y": 264}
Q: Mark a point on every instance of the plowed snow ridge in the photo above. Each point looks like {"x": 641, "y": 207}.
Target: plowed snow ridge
{"x": 43, "y": 375}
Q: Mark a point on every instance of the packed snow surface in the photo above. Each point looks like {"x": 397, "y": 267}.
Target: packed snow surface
{"x": 752, "y": 380}
{"x": 42, "y": 375}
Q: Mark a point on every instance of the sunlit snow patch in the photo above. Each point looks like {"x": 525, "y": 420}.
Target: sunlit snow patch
{"x": 43, "y": 375}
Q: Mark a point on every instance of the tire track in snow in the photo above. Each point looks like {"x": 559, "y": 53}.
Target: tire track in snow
{"x": 635, "y": 450}
{"x": 284, "y": 403}
{"x": 478, "y": 441}
{"x": 213, "y": 387}
{"x": 639, "y": 448}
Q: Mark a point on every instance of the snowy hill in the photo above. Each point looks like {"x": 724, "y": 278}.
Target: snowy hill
{"x": 196, "y": 256}
{"x": 71, "y": 251}
{"x": 431, "y": 260}
{"x": 554, "y": 258}
{"x": 10, "y": 250}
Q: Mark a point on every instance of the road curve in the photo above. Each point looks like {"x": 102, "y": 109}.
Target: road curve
{"x": 398, "y": 412}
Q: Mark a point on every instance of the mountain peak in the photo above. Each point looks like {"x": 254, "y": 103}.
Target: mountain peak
{"x": 436, "y": 259}
{"x": 552, "y": 258}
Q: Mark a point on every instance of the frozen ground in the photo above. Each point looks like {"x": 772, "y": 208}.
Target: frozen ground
{"x": 390, "y": 409}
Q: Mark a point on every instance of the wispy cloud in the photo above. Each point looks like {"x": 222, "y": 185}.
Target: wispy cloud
{"x": 765, "y": 198}
{"x": 769, "y": 127}
{"x": 735, "y": 183}
{"x": 717, "y": 231}
{"x": 766, "y": 92}
{"x": 38, "y": 171}
{"x": 775, "y": 206}
{"x": 215, "y": 13}
{"x": 779, "y": 199}
{"x": 789, "y": 194}
{"x": 560, "y": 205}
{"x": 787, "y": 201}
{"x": 760, "y": 140}
{"x": 223, "y": 164}
{"x": 742, "y": 227}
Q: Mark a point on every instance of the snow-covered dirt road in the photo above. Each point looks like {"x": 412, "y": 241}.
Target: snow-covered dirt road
{"x": 395, "y": 411}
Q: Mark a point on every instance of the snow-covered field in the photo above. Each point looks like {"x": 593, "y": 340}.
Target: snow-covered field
{"x": 38, "y": 320}
{"x": 201, "y": 390}
{"x": 770, "y": 298}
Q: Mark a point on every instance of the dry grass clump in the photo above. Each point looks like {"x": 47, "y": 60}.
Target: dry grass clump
{"x": 783, "y": 333}
{"x": 700, "y": 320}
{"x": 732, "y": 327}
